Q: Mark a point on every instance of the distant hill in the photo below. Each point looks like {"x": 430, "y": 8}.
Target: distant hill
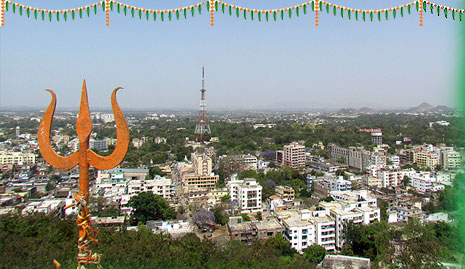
{"x": 351, "y": 111}
{"x": 367, "y": 110}
{"x": 425, "y": 108}
{"x": 347, "y": 111}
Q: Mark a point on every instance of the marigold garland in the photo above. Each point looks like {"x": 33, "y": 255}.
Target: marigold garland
{"x": 218, "y": 6}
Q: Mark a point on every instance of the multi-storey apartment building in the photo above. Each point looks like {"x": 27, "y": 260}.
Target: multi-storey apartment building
{"x": 246, "y": 193}
{"x": 451, "y": 159}
{"x": 294, "y": 155}
{"x": 360, "y": 207}
{"x": 286, "y": 193}
{"x": 198, "y": 175}
{"x": 249, "y": 162}
{"x": 18, "y": 158}
{"x": 392, "y": 178}
{"x": 202, "y": 164}
{"x": 426, "y": 158}
{"x": 159, "y": 185}
{"x": 425, "y": 181}
{"x": 355, "y": 157}
{"x": 299, "y": 230}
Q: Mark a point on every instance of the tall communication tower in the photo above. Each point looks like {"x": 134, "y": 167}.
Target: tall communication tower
{"x": 202, "y": 128}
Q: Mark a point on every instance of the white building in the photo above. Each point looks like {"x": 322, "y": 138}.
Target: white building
{"x": 378, "y": 159}
{"x": 425, "y": 181}
{"x": 393, "y": 178}
{"x": 360, "y": 207}
{"x": 339, "y": 184}
{"x": 444, "y": 178}
{"x": 46, "y": 207}
{"x": 246, "y": 193}
{"x": 324, "y": 225}
{"x": 299, "y": 230}
{"x": 159, "y": 185}
{"x": 395, "y": 160}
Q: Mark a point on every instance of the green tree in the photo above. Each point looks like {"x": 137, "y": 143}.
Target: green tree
{"x": 50, "y": 186}
{"x": 225, "y": 198}
{"x": 148, "y": 206}
{"x": 280, "y": 245}
{"x": 248, "y": 174}
{"x": 153, "y": 171}
{"x": 315, "y": 253}
{"x": 55, "y": 178}
{"x": 245, "y": 217}
{"x": 370, "y": 241}
{"x": 406, "y": 181}
{"x": 220, "y": 218}
{"x": 328, "y": 199}
{"x": 448, "y": 198}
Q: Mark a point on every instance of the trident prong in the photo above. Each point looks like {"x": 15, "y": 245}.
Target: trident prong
{"x": 84, "y": 157}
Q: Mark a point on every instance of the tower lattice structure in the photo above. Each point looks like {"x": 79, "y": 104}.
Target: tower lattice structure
{"x": 202, "y": 128}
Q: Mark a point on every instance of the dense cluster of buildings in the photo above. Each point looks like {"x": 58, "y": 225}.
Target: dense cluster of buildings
{"x": 319, "y": 225}
{"x": 348, "y": 186}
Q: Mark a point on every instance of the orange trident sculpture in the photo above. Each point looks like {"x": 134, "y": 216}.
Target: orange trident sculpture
{"x": 84, "y": 157}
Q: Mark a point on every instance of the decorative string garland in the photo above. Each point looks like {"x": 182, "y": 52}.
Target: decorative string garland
{"x": 421, "y": 12}
{"x": 212, "y": 11}
{"x": 2, "y": 13}
{"x": 107, "y": 11}
{"x": 317, "y": 12}
{"x": 213, "y": 6}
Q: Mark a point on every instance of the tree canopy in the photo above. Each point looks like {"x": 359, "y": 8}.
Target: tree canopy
{"x": 148, "y": 206}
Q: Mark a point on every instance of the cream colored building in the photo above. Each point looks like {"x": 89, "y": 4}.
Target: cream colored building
{"x": 426, "y": 158}
{"x": 451, "y": 159}
{"x": 294, "y": 155}
{"x": 285, "y": 192}
{"x": 18, "y": 158}
{"x": 202, "y": 164}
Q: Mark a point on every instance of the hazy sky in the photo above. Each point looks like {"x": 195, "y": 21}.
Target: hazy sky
{"x": 249, "y": 64}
